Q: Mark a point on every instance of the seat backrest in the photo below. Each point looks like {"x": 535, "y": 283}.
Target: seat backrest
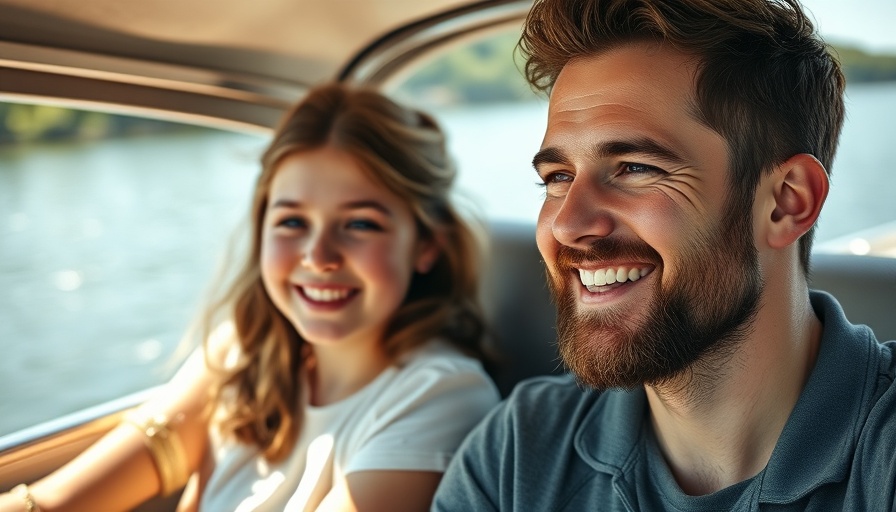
{"x": 521, "y": 314}
{"x": 865, "y": 286}
{"x": 518, "y": 306}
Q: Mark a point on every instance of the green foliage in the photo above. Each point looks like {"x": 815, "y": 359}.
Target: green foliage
{"x": 490, "y": 71}
{"x": 860, "y": 66}
{"x": 21, "y": 122}
{"x": 486, "y": 72}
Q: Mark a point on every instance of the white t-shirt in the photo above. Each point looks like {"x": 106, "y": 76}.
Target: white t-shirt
{"x": 413, "y": 416}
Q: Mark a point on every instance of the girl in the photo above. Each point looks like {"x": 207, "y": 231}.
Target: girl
{"x": 342, "y": 374}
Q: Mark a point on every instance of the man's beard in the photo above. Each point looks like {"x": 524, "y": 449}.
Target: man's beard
{"x": 702, "y": 312}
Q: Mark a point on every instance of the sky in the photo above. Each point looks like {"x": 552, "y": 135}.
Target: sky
{"x": 868, "y": 24}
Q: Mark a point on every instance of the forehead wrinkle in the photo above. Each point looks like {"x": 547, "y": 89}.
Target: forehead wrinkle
{"x": 590, "y": 101}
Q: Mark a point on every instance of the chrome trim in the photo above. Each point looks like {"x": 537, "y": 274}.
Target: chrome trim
{"x": 35, "y": 434}
{"x": 207, "y": 82}
{"x": 385, "y": 56}
{"x": 23, "y": 85}
{"x": 38, "y": 74}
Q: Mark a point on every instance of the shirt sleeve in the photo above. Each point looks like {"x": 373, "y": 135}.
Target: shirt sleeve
{"x": 424, "y": 415}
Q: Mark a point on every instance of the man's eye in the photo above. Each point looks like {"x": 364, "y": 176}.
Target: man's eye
{"x": 552, "y": 178}
{"x": 635, "y": 168}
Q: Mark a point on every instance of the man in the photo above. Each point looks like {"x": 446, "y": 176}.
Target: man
{"x": 684, "y": 166}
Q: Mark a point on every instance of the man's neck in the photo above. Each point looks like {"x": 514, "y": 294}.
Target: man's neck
{"x": 715, "y": 430}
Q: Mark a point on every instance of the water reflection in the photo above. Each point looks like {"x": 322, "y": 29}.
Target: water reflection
{"x": 104, "y": 255}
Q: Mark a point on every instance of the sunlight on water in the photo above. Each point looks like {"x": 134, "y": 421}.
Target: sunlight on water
{"x": 67, "y": 280}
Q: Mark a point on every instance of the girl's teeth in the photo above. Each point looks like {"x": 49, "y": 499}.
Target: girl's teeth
{"x": 326, "y": 294}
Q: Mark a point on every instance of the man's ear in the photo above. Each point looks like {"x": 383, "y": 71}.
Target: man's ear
{"x": 799, "y": 188}
{"x": 428, "y": 251}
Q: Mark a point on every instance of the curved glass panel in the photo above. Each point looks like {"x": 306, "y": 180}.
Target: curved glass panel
{"x": 110, "y": 229}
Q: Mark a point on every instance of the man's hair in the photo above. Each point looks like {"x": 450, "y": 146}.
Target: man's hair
{"x": 766, "y": 81}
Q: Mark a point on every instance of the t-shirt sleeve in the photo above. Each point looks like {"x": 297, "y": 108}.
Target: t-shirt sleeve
{"x": 422, "y": 417}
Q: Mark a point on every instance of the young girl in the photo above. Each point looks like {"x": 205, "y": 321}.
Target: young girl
{"x": 342, "y": 372}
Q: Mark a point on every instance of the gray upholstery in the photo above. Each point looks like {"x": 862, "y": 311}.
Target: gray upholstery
{"x": 522, "y": 317}
{"x": 518, "y": 305}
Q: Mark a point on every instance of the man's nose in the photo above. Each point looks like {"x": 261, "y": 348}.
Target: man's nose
{"x": 583, "y": 216}
{"x": 320, "y": 252}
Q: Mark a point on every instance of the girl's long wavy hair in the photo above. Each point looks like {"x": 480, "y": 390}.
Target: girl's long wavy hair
{"x": 401, "y": 148}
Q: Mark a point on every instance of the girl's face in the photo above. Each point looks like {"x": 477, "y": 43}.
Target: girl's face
{"x": 338, "y": 249}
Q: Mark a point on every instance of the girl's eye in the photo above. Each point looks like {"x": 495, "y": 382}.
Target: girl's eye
{"x": 291, "y": 223}
{"x": 363, "y": 225}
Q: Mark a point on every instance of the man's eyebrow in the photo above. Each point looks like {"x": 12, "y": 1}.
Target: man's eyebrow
{"x": 642, "y": 146}
{"x": 614, "y": 148}
{"x": 550, "y": 155}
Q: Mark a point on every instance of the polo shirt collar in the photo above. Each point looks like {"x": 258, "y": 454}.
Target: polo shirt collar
{"x": 611, "y": 430}
{"x": 818, "y": 439}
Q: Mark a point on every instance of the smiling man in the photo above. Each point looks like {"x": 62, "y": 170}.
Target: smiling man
{"x": 685, "y": 165}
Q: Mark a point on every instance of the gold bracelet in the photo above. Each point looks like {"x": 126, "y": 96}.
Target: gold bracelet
{"x": 165, "y": 448}
{"x": 23, "y": 492}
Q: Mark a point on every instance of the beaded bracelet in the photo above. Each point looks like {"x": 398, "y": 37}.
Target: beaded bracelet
{"x": 165, "y": 448}
{"x": 23, "y": 492}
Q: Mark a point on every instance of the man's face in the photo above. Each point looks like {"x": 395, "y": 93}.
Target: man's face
{"x": 651, "y": 269}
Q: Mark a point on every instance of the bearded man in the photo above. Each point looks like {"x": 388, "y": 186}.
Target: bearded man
{"x": 685, "y": 165}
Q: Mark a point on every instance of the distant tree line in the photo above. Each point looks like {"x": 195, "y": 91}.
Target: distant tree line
{"x": 483, "y": 73}
{"x": 20, "y": 122}
{"x": 862, "y": 67}
{"x": 479, "y": 73}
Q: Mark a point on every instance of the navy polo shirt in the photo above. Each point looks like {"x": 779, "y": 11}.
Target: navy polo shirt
{"x": 552, "y": 446}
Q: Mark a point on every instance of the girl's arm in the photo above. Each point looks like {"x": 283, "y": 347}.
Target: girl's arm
{"x": 374, "y": 491}
{"x": 118, "y": 471}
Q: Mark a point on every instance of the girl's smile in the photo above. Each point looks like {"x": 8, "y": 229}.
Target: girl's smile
{"x": 327, "y": 298}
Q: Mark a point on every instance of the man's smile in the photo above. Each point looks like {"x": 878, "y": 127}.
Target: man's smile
{"x": 602, "y": 279}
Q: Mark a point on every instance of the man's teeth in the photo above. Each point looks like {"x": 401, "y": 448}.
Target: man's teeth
{"x": 326, "y": 294}
{"x": 607, "y": 276}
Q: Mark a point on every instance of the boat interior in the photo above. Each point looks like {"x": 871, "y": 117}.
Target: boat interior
{"x": 238, "y": 65}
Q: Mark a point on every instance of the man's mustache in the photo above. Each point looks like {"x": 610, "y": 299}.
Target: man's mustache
{"x": 611, "y": 248}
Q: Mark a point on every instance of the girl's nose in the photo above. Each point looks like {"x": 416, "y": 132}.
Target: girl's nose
{"x": 321, "y": 254}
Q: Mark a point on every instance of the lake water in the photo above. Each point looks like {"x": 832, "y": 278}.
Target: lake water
{"x": 105, "y": 252}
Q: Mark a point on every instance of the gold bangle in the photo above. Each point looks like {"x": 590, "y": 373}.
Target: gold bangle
{"x": 164, "y": 447}
{"x": 23, "y": 492}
